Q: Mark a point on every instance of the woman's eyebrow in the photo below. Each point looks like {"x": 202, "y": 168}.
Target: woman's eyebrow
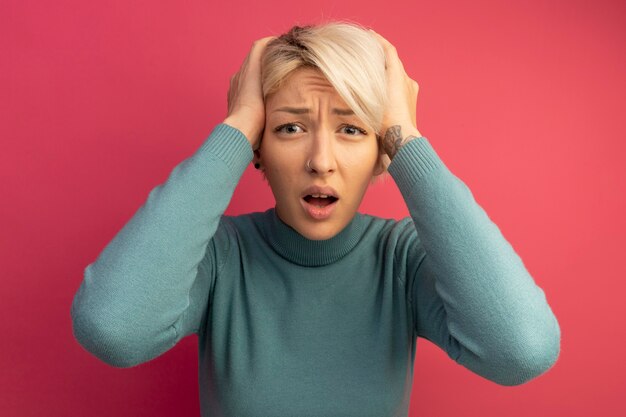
{"x": 304, "y": 110}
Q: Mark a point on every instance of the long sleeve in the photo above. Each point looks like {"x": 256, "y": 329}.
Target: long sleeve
{"x": 471, "y": 293}
{"x": 149, "y": 287}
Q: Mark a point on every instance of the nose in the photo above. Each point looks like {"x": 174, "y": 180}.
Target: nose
{"x": 322, "y": 159}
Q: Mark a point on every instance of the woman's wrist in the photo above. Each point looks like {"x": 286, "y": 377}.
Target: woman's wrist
{"x": 250, "y": 131}
{"x": 396, "y": 136}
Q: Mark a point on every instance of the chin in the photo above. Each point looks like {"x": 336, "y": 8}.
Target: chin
{"x": 319, "y": 230}
{"x": 314, "y": 229}
{"x": 317, "y": 235}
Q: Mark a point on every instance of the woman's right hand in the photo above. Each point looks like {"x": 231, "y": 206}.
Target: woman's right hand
{"x": 246, "y": 108}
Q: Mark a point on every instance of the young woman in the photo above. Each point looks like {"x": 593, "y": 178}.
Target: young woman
{"x": 311, "y": 308}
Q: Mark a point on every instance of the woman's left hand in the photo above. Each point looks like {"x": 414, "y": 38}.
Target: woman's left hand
{"x": 399, "y": 119}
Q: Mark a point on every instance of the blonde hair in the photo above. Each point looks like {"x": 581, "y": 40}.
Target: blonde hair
{"x": 348, "y": 55}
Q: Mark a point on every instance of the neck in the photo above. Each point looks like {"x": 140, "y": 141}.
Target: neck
{"x": 306, "y": 252}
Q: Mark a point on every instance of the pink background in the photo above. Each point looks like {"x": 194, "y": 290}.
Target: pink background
{"x": 100, "y": 100}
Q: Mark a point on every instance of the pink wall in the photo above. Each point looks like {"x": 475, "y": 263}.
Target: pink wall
{"x": 99, "y": 101}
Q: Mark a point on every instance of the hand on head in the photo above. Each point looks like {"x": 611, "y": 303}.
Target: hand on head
{"x": 246, "y": 109}
{"x": 399, "y": 119}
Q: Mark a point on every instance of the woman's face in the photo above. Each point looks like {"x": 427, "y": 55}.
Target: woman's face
{"x": 307, "y": 120}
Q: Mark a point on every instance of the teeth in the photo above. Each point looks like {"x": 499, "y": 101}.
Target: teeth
{"x": 319, "y": 195}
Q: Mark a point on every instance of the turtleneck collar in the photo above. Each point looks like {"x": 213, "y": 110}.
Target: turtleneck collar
{"x": 302, "y": 251}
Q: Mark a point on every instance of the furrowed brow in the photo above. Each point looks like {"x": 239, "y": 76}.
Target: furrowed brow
{"x": 293, "y": 110}
{"x": 304, "y": 110}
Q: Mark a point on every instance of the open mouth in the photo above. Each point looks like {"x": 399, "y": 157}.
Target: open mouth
{"x": 320, "y": 200}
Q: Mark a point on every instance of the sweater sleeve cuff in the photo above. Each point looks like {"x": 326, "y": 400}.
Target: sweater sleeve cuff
{"x": 414, "y": 161}
{"x": 230, "y": 146}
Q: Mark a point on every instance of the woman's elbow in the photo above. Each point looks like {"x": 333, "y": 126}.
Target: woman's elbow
{"x": 103, "y": 338}
{"x": 531, "y": 357}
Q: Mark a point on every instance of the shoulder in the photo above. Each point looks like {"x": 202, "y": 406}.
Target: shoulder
{"x": 243, "y": 224}
{"x": 231, "y": 232}
{"x": 398, "y": 238}
{"x": 390, "y": 230}
{"x": 232, "y": 228}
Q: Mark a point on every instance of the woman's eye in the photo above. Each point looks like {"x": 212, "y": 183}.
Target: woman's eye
{"x": 353, "y": 130}
{"x": 289, "y": 128}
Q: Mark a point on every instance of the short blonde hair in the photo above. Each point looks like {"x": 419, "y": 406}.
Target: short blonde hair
{"x": 348, "y": 55}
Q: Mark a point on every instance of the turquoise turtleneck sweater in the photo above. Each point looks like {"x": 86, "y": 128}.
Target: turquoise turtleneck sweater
{"x": 294, "y": 327}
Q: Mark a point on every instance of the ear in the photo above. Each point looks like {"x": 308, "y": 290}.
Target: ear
{"x": 379, "y": 168}
{"x": 256, "y": 159}
{"x": 380, "y": 163}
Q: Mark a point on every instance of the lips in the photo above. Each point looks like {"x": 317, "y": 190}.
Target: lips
{"x": 317, "y": 191}
{"x": 319, "y": 201}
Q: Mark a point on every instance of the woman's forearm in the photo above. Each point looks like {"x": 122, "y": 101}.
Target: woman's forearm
{"x": 473, "y": 294}
{"x": 135, "y": 302}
